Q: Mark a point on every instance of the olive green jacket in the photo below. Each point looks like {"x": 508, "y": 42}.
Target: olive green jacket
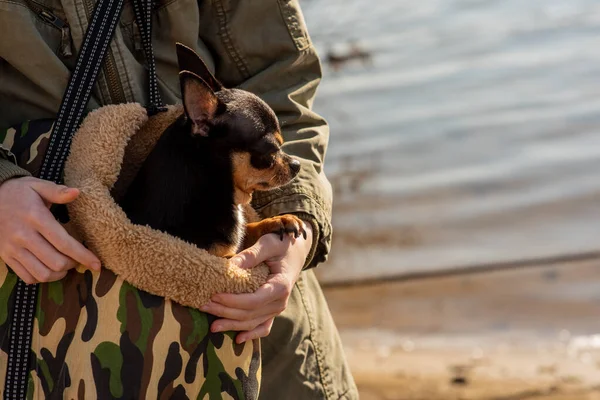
{"x": 260, "y": 46}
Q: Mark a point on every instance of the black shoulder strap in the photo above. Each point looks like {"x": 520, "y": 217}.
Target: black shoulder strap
{"x": 77, "y": 95}
{"x": 97, "y": 39}
{"x": 143, "y": 17}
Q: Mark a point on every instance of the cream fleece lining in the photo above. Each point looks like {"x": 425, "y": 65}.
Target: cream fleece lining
{"x": 148, "y": 259}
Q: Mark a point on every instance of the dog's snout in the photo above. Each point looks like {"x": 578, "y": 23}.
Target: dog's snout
{"x": 295, "y": 166}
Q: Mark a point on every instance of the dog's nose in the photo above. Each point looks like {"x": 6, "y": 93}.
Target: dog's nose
{"x": 295, "y": 166}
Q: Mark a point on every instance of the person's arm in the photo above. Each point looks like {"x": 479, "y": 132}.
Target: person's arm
{"x": 263, "y": 46}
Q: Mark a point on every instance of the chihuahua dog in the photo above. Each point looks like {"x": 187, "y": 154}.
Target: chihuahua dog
{"x": 199, "y": 178}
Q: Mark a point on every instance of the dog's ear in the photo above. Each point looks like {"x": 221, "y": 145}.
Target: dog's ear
{"x": 190, "y": 61}
{"x": 199, "y": 102}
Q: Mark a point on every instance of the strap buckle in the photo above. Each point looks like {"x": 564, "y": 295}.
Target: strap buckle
{"x": 153, "y": 109}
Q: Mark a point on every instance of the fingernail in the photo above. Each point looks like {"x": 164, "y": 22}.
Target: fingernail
{"x": 237, "y": 261}
{"x": 96, "y": 266}
{"x": 215, "y": 329}
{"x": 205, "y": 307}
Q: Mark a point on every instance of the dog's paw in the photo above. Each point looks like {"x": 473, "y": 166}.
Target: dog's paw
{"x": 281, "y": 225}
{"x": 287, "y": 224}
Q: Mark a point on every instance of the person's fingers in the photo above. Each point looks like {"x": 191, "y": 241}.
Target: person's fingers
{"x": 48, "y": 254}
{"x": 21, "y": 271}
{"x": 36, "y": 268}
{"x": 243, "y": 315}
{"x": 224, "y": 325}
{"x": 222, "y": 311}
{"x": 265, "y": 248}
{"x": 31, "y": 237}
{"x": 265, "y": 294}
{"x": 58, "y": 237}
{"x": 260, "y": 331}
{"x": 52, "y": 193}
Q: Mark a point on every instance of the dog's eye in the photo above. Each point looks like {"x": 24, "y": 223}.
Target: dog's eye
{"x": 263, "y": 161}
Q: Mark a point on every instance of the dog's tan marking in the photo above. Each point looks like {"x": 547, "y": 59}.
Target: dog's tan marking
{"x": 222, "y": 250}
{"x": 247, "y": 179}
{"x": 278, "y": 137}
{"x": 240, "y": 230}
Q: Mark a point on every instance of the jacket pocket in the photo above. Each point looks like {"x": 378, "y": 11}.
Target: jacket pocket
{"x": 49, "y": 21}
{"x": 50, "y": 17}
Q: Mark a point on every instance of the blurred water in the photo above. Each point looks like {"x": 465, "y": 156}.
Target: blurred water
{"x": 474, "y": 137}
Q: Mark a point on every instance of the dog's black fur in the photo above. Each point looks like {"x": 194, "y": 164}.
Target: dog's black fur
{"x": 192, "y": 183}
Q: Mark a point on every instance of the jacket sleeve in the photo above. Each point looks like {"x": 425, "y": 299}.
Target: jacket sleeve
{"x": 263, "y": 46}
{"x": 8, "y": 169}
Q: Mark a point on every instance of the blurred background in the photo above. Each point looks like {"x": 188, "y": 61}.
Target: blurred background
{"x": 465, "y": 160}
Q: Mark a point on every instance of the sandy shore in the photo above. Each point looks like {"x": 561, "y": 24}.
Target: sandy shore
{"x": 504, "y": 335}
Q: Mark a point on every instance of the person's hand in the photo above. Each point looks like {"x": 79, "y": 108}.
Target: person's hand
{"x": 32, "y": 242}
{"x": 253, "y": 314}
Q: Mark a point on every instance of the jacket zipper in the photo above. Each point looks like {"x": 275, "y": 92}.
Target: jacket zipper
{"x": 66, "y": 48}
{"x": 115, "y": 89}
